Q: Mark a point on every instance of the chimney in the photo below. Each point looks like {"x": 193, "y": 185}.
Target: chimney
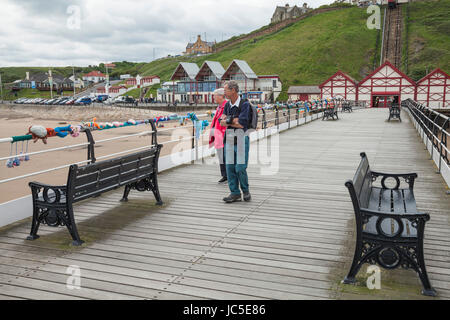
{"x": 27, "y": 77}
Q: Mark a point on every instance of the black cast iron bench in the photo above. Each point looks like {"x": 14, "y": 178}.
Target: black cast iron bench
{"x": 346, "y": 106}
{"x": 53, "y": 205}
{"x": 330, "y": 113}
{"x": 394, "y": 112}
{"x": 389, "y": 229}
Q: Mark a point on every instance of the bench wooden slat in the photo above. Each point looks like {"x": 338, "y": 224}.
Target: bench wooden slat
{"x": 410, "y": 201}
{"x": 374, "y": 200}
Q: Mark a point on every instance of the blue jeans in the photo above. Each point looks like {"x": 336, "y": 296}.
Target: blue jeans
{"x": 237, "y": 169}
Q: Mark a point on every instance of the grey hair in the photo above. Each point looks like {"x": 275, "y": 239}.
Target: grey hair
{"x": 219, "y": 92}
{"x": 232, "y": 85}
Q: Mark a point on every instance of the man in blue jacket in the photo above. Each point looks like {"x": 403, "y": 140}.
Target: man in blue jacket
{"x": 236, "y": 117}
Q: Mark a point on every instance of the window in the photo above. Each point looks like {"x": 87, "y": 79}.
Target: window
{"x": 274, "y": 83}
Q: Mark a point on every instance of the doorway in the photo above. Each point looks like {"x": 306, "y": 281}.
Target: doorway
{"x": 384, "y": 101}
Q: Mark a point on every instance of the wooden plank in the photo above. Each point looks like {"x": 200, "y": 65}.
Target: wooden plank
{"x": 287, "y": 243}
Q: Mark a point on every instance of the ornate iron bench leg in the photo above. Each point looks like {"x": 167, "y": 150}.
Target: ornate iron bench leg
{"x": 350, "y": 278}
{"x": 422, "y": 272}
{"x": 155, "y": 190}
{"x": 34, "y": 224}
{"x": 72, "y": 227}
{"x": 126, "y": 193}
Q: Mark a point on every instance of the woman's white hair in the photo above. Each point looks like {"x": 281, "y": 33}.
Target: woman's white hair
{"x": 219, "y": 92}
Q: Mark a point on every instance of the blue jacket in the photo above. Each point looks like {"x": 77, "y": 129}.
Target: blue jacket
{"x": 242, "y": 112}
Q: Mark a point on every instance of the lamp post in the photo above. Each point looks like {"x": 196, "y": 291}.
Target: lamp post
{"x": 107, "y": 80}
{"x": 138, "y": 84}
{"x": 1, "y": 86}
{"x": 50, "y": 81}
{"x": 74, "y": 79}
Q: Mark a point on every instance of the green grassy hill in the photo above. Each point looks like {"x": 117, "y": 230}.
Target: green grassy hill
{"x": 427, "y": 37}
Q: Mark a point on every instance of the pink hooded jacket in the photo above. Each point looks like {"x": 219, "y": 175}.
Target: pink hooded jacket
{"x": 217, "y": 131}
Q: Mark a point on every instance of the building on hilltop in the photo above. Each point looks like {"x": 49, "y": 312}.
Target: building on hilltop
{"x": 288, "y": 12}
{"x": 199, "y": 47}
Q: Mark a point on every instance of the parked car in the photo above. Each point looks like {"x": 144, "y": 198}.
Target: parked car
{"x": 83, "y": 101}
{"x": 20, "y": 100}
{"x": 71, "y": 101}
{"x": 125, "y": 99}
{"x": 101, "y": 98}
{"x": 50, "y": 101}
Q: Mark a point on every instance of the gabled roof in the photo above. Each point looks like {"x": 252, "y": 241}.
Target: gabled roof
{"x": 303, "y": 89}
{"x": 243, "y": 66}
{"x": 56, "y": 79}
{"x": 215, "y": 67}
{"x": 191, "y": 70}
{"x": 95, "y": 73}
{"x": 437, "y": 70}
{"x": 339, "y": 73}
{"x": 387, "y": 63}
{"x": 39, "y": 77}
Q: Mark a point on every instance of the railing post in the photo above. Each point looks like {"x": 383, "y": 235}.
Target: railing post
{"x": 289, "y": 118}
{"x": 441, "y": 144}
{"x": 297, "y": 117}
{"x": 264, "y": 122}
{"x": 90, "y": 151}
{"x": 277, "y": 119}
{"x": 193, "y": 141}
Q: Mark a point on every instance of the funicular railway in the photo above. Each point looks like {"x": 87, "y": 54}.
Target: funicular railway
{"x": 392, "y": 42}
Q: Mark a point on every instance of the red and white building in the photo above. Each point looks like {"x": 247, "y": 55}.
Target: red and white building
{"x": 144, "y": 82}
{"x": 94, "y": 76}
{"x": 385, "y": 85}
{"x": 113, "y": 91}
{"x": 433, "y": 90}
{"x": 339, "y": 85}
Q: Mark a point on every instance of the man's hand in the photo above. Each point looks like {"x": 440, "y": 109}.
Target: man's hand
{"x": 223, "y": 121}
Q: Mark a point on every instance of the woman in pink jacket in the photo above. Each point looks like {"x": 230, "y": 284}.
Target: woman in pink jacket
{"x": 217, "y": 132}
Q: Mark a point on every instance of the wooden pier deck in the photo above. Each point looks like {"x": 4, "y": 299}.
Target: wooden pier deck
{"x": 293, "y": 241}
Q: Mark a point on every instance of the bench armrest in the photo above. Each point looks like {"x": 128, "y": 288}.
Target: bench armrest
{"x": 410, "y": 216}
{"x": 35, "y": 184}
{"x": 409, "y": 178}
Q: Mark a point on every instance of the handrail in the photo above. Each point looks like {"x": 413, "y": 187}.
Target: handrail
{"x": 437, "y": 133}
{"x": 91, "y": 142}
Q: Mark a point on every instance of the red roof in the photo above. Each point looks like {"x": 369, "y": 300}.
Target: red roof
{"x": 118, "y": 87}
{"x": 110, "y": 65}
{"x": 95, "y": 73}
{"x": 387, "y": 63}
{"x": 437, "y": 70}
{"x": 339, "y": 73}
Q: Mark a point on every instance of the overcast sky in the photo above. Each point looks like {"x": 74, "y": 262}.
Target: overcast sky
{"x": 49, "y": 33}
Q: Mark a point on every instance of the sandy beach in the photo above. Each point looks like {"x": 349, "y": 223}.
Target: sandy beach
{"x": 15, "y": 120}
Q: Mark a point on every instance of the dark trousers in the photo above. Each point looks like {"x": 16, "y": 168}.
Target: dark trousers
{"x": 221, "y": 156}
